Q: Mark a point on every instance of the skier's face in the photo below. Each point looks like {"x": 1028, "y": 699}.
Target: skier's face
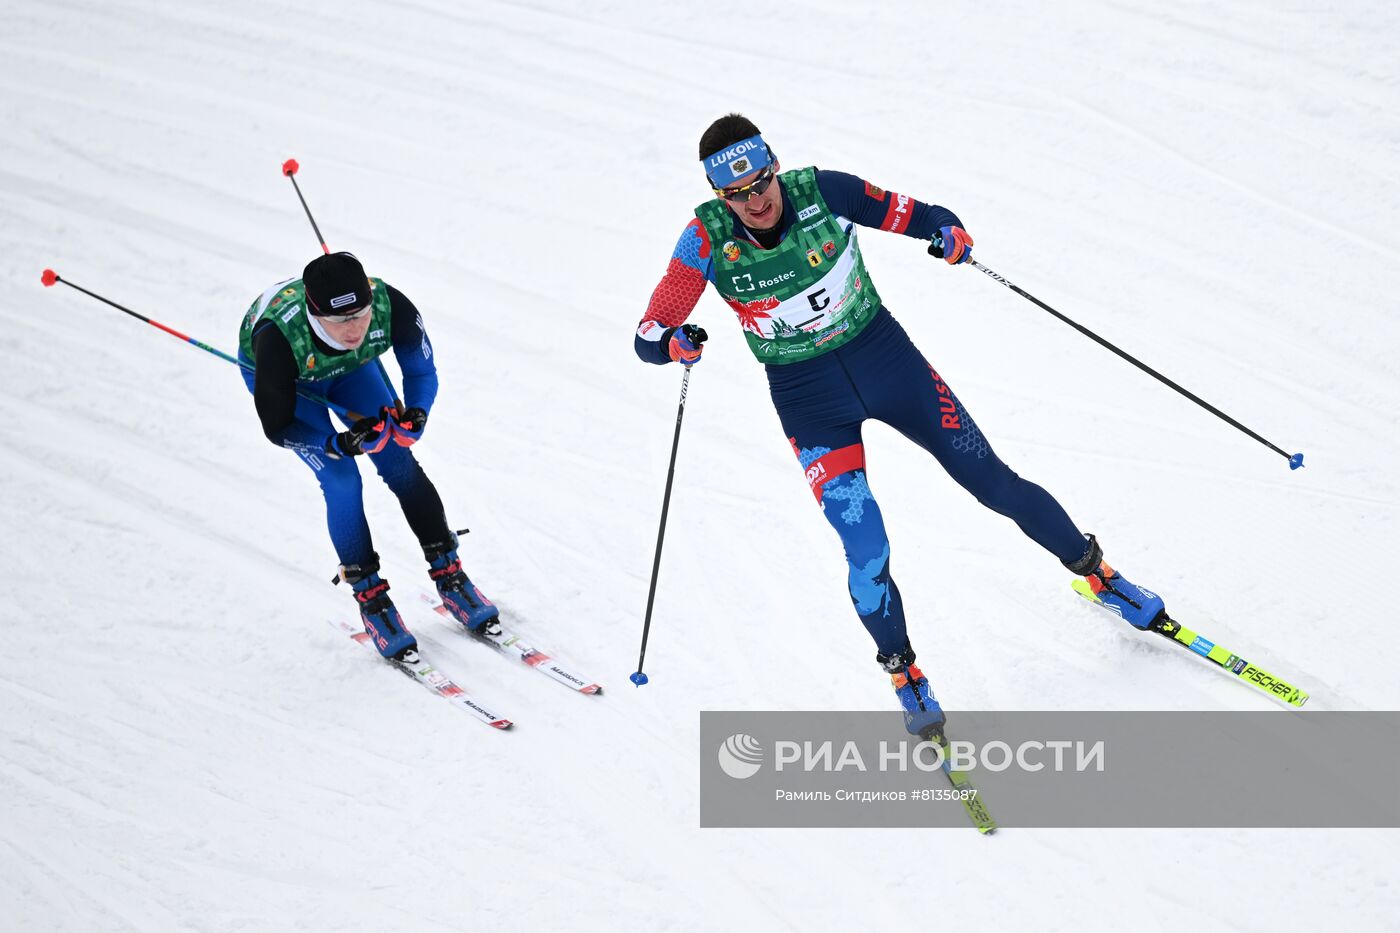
{"x": 762, "y": 211}
{"x": 349, "y": 334}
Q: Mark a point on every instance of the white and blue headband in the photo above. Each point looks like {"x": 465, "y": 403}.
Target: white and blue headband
{"x": 736, "y": 161}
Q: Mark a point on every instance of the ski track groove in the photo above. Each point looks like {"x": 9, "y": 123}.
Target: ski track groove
{"x": 1303, "y": 219}
{"x": 62, "y": 892}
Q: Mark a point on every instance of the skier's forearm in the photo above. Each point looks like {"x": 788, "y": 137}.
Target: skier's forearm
{"x": 675, "y": 296}
{"x": 871, "y": 206}
{"x": 285, "y": 430}
{"x": 275, "y": 394}
{"x": 651, "y": 342}
{"x": 274, "y": 422}
{"x": 274, "y": 384}
{"x": 420, "y": 391}
{"x": 279, "y": 422}
{"x": 301, "y": 436}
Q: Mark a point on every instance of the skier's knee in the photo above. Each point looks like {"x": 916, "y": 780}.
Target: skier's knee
{"x": 994, "y": 489}
{"x": 847, "y": 501}
{"x": 397, "y": 467}
{"x": 340, "y": 477}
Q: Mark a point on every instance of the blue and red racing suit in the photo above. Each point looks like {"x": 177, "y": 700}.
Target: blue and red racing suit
{"x": 823, "y": 402}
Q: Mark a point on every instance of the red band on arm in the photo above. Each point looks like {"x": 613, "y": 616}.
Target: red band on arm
{"x": 899, "y": 213}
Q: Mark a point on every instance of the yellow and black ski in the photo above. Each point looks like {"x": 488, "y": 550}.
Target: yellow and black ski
{"x": 1245, "y": 670}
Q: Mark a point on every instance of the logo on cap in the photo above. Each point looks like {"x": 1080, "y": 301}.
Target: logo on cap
{"x": 343, "y": 300}
{"x": 740, "y": 166}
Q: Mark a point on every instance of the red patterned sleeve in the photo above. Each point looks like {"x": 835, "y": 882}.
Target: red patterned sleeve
{"x": 676, "y": 295}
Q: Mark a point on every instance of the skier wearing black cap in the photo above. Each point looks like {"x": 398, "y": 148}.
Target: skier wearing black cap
{"x": 325, "y": 333}
{"x": 781, "y": 250}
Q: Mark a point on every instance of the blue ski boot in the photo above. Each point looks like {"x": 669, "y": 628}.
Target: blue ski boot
{"x": 382, "y": 622}
{"x": 1136, "y": 605}
{"x": 922, "y": 714}
{"x": 468, "y": 605}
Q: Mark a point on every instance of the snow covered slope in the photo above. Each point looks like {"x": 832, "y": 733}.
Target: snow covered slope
{"x": 184, "y": 743}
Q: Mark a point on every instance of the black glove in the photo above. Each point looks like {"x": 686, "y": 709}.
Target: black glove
{"x": 366, "y": 436}
{"x": 408, "y": 427}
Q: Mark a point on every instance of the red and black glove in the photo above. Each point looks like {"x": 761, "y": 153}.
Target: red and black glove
{"x": 366, "y": 436}
{"x": 407, "y": 426}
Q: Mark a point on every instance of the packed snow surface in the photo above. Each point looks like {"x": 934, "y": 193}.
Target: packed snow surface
{"x": 185, "y": 743}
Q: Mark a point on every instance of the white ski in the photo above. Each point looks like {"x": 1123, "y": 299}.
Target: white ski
{"x": 430, "y": 677}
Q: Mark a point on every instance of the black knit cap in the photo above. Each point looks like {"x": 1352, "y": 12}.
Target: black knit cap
{"x": 335, "y": 284}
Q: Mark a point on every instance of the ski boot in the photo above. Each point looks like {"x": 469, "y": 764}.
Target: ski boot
{"x": 1137, "y": 606}
{"x": 922, "y": 714}
{"x": 468, "y": 605}
{"x": 382, "y": 621}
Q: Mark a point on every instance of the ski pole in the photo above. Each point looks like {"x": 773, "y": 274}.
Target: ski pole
{"x": 1294, "y": 460}
{"x": 639, "y": 678}
{"x": 289, "y": 168}
{"x": 51, "y": 278}
{"x": 389, "y": 384}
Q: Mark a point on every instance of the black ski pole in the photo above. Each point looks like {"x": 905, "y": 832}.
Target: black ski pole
{"x": 1294, "y": 460}
{"x": 289, "y": 168}
{"x": 639, "y": 678}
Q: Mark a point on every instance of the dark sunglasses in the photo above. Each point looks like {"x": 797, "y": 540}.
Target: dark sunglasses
{"x": 752, "y": 189}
